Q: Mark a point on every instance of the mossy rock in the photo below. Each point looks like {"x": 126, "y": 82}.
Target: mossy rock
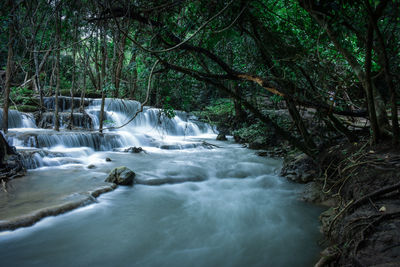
{"x": 26, "y": 108}
{"x": 121, "y": 176}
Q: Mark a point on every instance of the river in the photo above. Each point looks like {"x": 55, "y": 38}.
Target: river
{"x": 218, "y": 205}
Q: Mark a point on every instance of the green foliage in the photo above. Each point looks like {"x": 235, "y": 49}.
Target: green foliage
{"x": 252, "y": 133}
{"x": 109, "y": 88}
{"x": 220, "y": 114}
{"x": 21, "y": 95}
{"x": 276, "y": 99}
{"x": 278, "y": 41}
{"x": 26, "y": 108}
{"x": 220, "y": 110}
{"x": 65, "y": 83}
{"x": 168, "y": 110}
{"x": 282, "y": 119}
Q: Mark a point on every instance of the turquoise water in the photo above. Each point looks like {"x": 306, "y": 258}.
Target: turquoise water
{"x": 240, "y": 213}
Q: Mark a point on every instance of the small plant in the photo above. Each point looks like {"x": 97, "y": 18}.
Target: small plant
{"x": 168, "y": 110}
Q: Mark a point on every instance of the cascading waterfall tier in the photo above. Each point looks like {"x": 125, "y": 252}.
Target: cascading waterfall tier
{"x": 18, "y": 119}
{"x": 150, "y": 128}
{"x": 48, "y": 139}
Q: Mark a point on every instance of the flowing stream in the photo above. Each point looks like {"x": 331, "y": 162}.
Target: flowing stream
{"x": 198, "y": 202}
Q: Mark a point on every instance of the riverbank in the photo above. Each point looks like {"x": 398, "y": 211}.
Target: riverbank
{"x": 360, "y": 185}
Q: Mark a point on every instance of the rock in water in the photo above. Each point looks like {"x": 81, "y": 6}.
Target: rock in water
{"x": 11, "y": 163}
{"x": 221, "y": 137}
{"x": 134, "y": 150}
{"x": 121, "y": 176}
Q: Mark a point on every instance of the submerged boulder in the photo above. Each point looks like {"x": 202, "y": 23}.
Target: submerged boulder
{"x": 121, "y": 176}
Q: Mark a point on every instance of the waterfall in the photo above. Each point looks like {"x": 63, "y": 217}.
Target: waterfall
{"x": 82, "y": 121}
{"x": 150, "y": 128}
{"x": 118, "y": 112}
{"x": 18, "y": 119}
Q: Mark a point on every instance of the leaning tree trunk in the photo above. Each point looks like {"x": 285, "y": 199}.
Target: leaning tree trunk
{"x": 294, "y": 113}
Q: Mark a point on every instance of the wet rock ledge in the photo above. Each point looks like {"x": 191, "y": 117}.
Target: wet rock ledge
{"x": 32, "y": 218}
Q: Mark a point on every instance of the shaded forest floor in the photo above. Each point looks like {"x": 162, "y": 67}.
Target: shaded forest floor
{"x": 361, "y": 184}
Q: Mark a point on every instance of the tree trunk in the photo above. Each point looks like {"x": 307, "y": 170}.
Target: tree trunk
{"x": 264, "y": 118}
{"x": 368, "y": 87}
{"x": 239, "y": 113}
{"x": 384, "y": 62}
{"x": 58, "y": 41}
{"x": 83, "y": 92}
{"x": 119, "y": 65}
{"x": 97, "y": 65}
{"x": 103, "y": 74}
{"x": 37, "y": 78}
{"x": 338, "y": 125}
{"x": 8, "y": 68}
{"x": 294, "y": 113}
{"x": 71, "y": 117}
{"x": 51, "y": 79}
{"x": 364, "y": 78}
{"x": 133, "y": 78}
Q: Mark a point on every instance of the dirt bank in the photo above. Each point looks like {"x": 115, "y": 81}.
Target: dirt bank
{"x": 361, "y": 183}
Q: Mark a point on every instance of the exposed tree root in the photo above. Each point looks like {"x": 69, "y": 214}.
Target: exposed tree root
{"x": 364, "y": 226}
{"x": 373, "y": 195}
{"x": 3, "y": 183}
